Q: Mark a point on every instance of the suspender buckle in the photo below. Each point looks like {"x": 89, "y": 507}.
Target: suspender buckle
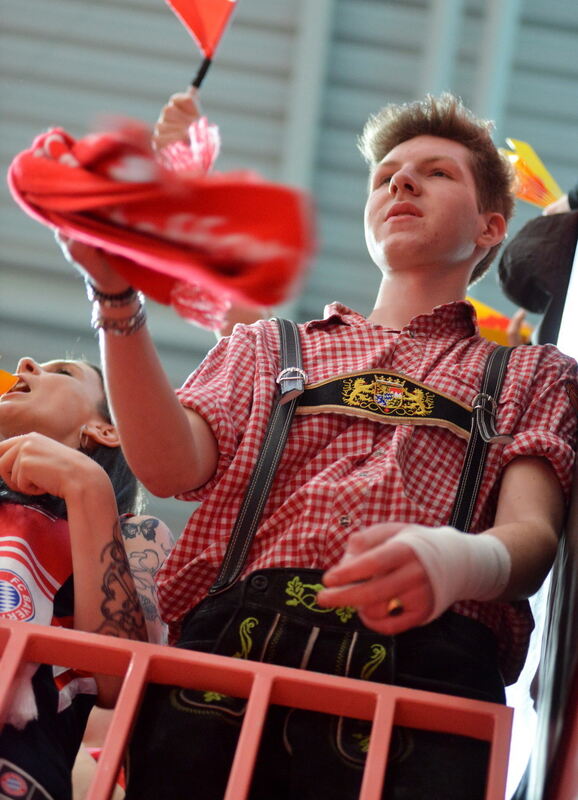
{"x": 485, "y": 408}
{"x": 292, "y": 381}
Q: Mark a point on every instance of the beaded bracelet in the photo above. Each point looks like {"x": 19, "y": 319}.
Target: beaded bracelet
{"x": 117, "y": 300}
{"x": 125, "y": 326}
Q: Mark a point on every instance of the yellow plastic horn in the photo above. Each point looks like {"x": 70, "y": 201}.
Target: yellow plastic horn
{"x": 535, "y": 184}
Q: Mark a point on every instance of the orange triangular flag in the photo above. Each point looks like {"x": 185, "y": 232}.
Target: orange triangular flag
{"x": 7, "y": 381}
{"x": 204, "y": 19}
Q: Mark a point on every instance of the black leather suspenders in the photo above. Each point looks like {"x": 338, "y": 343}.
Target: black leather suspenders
{"x": 292, "y": 380}
{"x": 483, "y": 433}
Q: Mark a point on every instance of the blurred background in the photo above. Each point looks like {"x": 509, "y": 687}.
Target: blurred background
{"x": 291, "y": 87}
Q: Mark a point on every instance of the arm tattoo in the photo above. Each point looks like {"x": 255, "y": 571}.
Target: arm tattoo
{"x": 147, "y": 529}
{"x": 120, "y": 608}
{"x": 144, "y": 565}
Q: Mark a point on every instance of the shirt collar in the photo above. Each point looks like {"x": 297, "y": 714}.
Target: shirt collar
{"x": 457, "y": 319}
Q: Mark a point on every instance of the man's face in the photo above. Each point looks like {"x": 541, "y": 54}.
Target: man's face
{"x": 422, "y": 209}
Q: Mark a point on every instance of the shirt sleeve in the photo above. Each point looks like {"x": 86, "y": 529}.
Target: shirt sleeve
{"x": 547, "y": 413}
{"x": 233, "y": 377}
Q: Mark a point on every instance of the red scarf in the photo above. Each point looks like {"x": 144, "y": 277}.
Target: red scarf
{"x": 194, "y": 240}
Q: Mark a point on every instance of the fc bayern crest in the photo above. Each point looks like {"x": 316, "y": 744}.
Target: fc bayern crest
{"x": 14, "y": 785}
{"x": 16, "y": 601}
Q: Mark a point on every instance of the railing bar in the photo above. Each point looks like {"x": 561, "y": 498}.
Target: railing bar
{"x": 12, "y": 657}
{"x": 381, "y": 729}
{"x": 499, "y": 756}
{"x": 111, "y": 757}
{"x": 248, "y": 745}
{"x": 26, "y": 640}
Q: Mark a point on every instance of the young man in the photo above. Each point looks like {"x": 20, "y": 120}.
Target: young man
{"x": 363, "y": 500}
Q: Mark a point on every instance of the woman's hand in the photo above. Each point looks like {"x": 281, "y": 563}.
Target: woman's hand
{"x": 35, "y": 464}
{"x": 559, "y": 206}
{"x": 176, "y": 118}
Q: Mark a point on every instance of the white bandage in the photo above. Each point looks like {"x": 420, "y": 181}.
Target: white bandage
{"x": 460, "y": 566}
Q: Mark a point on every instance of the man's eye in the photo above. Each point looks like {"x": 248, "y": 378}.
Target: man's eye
{"x": 63, "y": 371}
{"x": 383, "y": 179}
{"x": 440, "y": 173}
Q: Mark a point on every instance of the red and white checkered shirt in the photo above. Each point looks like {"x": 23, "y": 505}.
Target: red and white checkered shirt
{"x": 340, "y": 473}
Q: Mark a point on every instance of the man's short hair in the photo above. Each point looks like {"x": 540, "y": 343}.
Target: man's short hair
{"x": 446, "y": 116}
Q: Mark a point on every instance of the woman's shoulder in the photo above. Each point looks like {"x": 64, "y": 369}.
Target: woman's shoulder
{"x": 144, "y": 528}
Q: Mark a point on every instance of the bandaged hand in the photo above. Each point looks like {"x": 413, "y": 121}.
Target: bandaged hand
{"x": 460, "y": 566}
{"x": 426, "y": 569}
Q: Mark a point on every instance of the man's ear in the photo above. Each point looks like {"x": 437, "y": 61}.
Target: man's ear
{"x": 493, "y": 230}
{"x": 101, "y": 432}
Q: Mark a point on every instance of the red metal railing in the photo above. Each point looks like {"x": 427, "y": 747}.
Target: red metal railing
{"x": 262, "y": 684}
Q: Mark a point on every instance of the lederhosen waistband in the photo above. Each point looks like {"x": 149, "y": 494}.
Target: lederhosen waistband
{"x": 248, "y": 616}
{"x": 293, "y": 591}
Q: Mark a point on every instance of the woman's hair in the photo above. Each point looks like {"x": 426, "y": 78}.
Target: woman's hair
{"x": 446, "y": 117}
{"x": 129, "y": 497}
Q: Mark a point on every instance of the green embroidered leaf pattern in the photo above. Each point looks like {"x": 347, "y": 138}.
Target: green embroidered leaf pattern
{"x": 294, "y": 589}
{"x": 245, "y": 629}
{"x": 363, "y": 742}
{"x": 297, "y": 591}
{"x": 345, "y": 613}
{"x": 378, "y": 654}
{"x": 213, "y": 697}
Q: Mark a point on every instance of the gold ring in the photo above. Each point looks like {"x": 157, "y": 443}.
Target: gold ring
{"x": 394, "y": 607}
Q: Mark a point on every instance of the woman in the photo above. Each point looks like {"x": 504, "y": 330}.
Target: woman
{"x": 63, "y": 483}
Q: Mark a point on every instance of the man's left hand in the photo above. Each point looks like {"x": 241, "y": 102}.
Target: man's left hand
{"x": 375, "y": 570}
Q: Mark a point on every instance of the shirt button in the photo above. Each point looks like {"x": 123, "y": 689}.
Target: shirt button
{"x": 380, "y": 451}
{"x": 344, "y": 521}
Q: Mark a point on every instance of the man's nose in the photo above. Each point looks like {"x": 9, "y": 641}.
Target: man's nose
{"x": 28, "y": 364}
{"x": 404, "y": 180}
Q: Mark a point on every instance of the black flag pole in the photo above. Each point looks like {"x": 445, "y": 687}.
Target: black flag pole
{"x": 202, "y": 72}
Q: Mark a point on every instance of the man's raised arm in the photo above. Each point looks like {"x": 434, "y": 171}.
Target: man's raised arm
{"x": 170, "y": 449}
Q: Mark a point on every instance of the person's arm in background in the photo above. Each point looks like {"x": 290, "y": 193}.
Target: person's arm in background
{"x": 568, "y": 202}
{"x": 147, "y": 542}
{"x": 514, "y": 331}
{"x": 175, "y": 119}
{"x": 105, "y": 598}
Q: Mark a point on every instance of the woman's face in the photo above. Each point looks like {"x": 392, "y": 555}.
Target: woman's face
{"x": 59, "y": 399}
